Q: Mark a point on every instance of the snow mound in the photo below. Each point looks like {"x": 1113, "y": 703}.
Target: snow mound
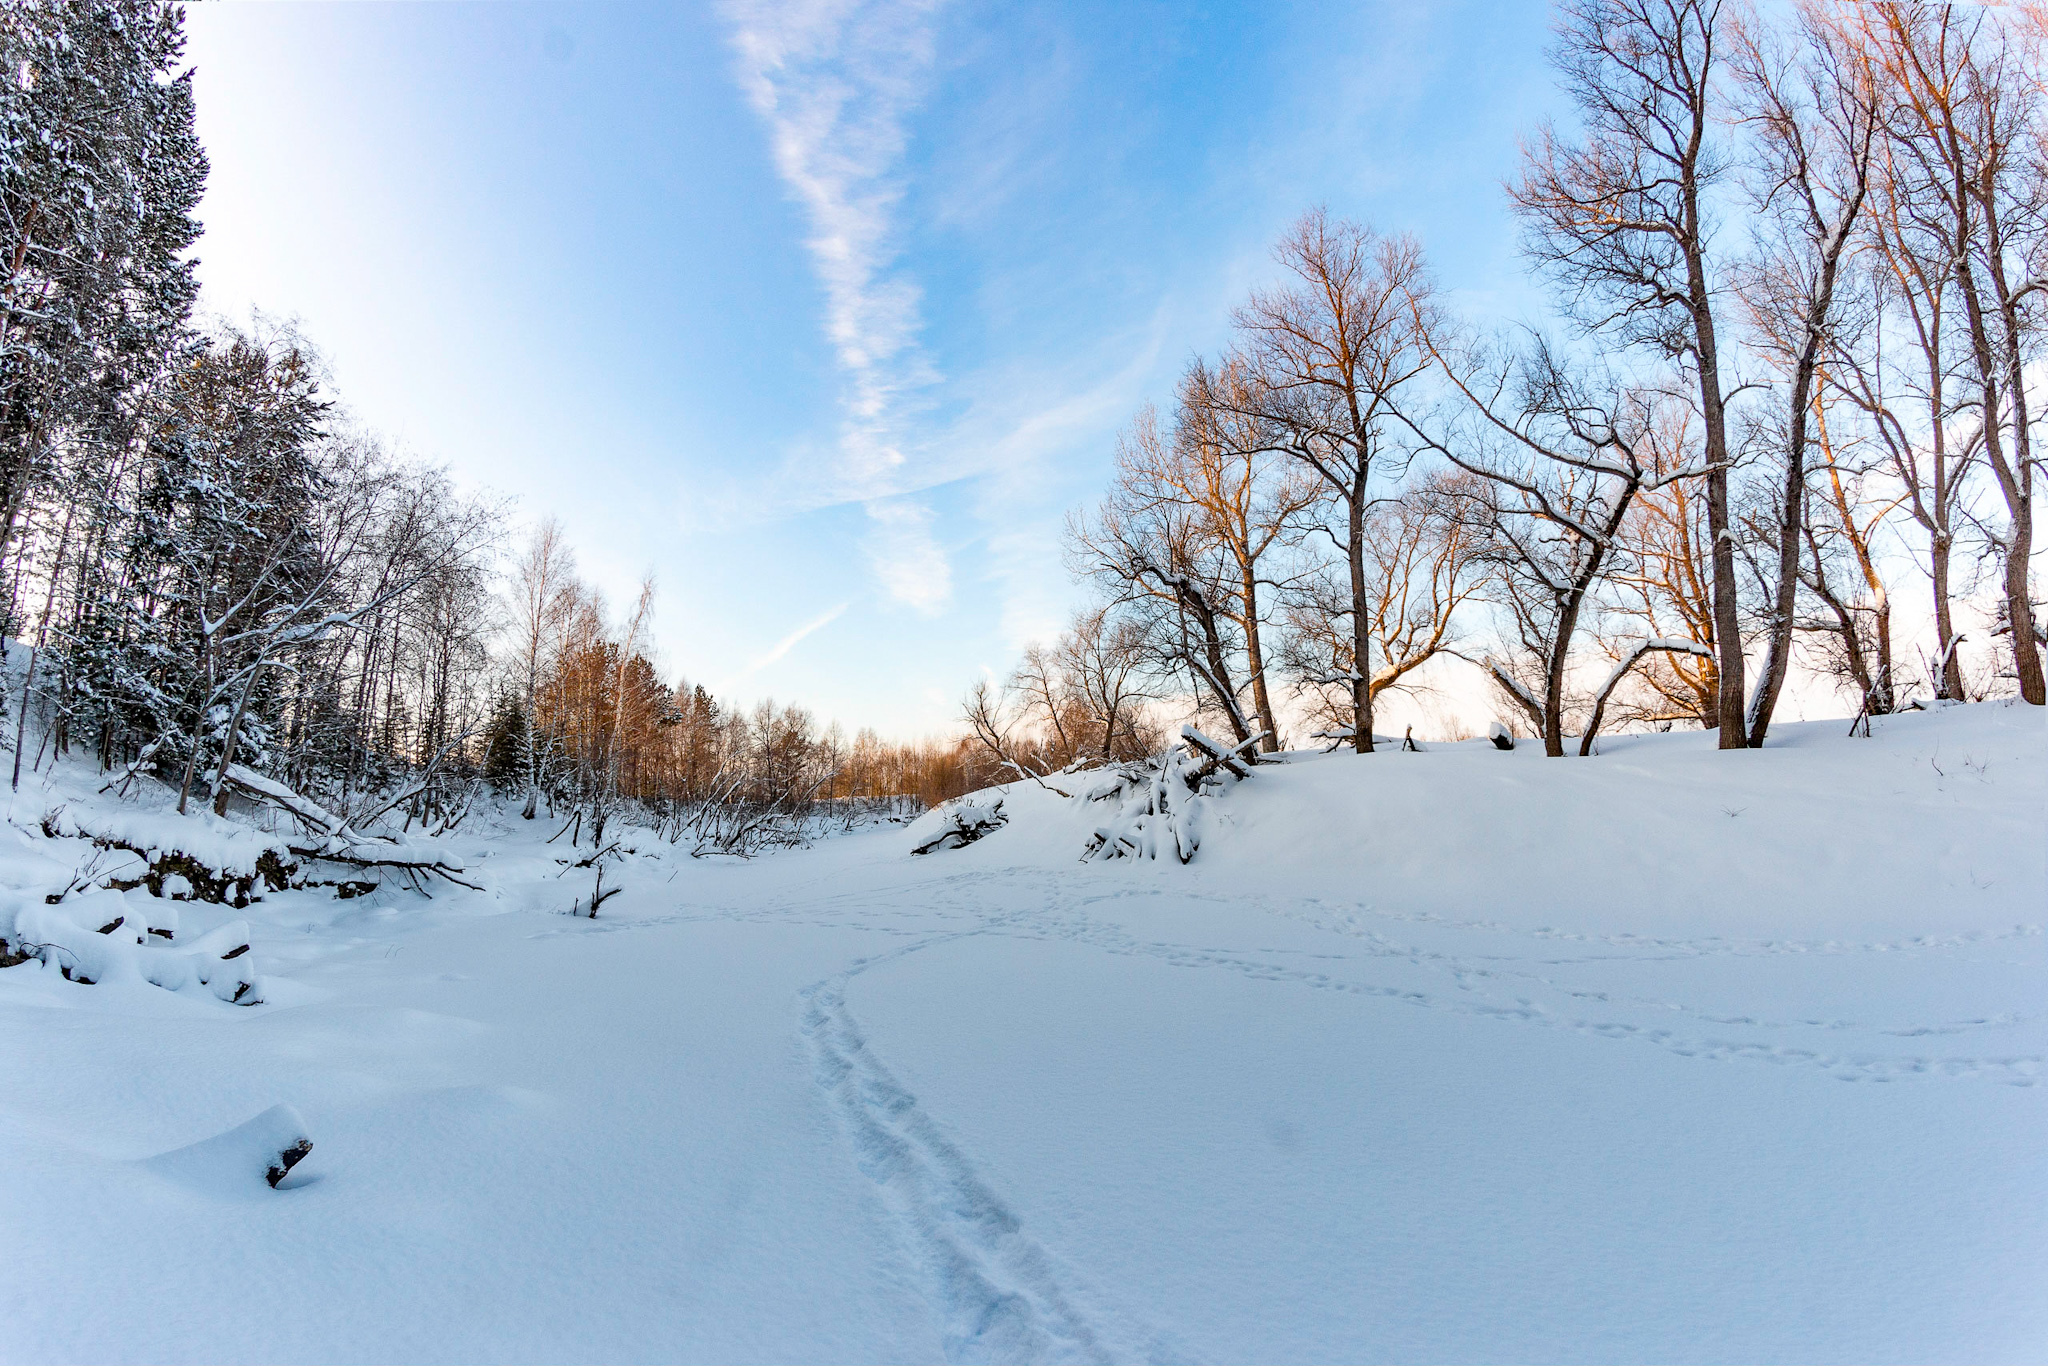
{"x": 264, "y": 1149}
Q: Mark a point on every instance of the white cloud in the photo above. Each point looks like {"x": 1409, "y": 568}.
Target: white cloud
{"x": 906, "y": 556}
{"x": 836, "y": 81}
{"x": 790, "y": 641}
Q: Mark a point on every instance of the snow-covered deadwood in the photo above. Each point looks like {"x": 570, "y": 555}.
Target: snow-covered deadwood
{"x": 957, "y": 823}
{"x": 113, "y": 936}
{"x": 1162, "y": 803}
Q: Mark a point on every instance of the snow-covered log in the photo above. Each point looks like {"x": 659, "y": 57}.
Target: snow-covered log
{"x": 1232, "y": 758}
{"x": 109, "y": 937}
{"x": 1502, "y": 737}
{"x": 203, "y": 857}
{"x": 269, "y": 1146}
{"x": 183, "y": 858}
{"x": 958, "y": 822}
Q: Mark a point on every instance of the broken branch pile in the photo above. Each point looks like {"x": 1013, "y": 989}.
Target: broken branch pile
{"x": 1162, "y": 802}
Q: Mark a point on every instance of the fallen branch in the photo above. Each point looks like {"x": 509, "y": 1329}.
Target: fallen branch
{"x": 968, "y": 821}
{"x": 264, "y": 791}
{"x": 369, "y": 856}
{"x": 1232, "y": 759}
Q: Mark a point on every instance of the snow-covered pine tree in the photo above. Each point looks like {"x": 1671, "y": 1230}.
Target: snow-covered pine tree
{"x": 100, "y": 172}
{"x": 219, "y": 544}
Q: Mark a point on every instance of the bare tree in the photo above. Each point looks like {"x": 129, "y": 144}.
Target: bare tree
{"x": 1966, "y": 124}
{"x": 1076, "y": 703}
{"x": 1181, "y": 544}
{"x": 1659, "y": 586}
{"x": 1811, "y": 102}
{"x": 1324, "y": 358}
{"x": 542, "y": 594}
{"x": 1621, "y": 218}
{"x": 1102, "y": 657}
{"x": 1558, "y": 463}
{"x": 1423, "y": 564}
{"x": 1844, "y": 524}
{"x": 1167, "y": 577}
{"x": 1895, "y": 369}
{"x": 1224, "y": 465}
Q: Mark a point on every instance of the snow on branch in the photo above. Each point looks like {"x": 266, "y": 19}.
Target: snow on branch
{"x": 1231, "y": 758}
{"x": 957, "y": 823}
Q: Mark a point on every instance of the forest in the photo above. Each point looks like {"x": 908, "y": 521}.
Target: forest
{"x": 1778, "y": 426}
{"x": 1782, "y": 416}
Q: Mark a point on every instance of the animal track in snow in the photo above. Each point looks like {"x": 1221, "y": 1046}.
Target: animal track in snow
{"x": 2017, "y": 1070}
{"x": 993, "y": 1287}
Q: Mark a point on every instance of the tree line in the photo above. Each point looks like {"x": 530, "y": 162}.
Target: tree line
{"x": 584, "y": 718}
{"x": 221, "y": 580}
{"x": 1798, "y": 261}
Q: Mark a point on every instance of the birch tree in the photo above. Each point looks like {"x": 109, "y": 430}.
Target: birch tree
{"x": 542, "y": 592}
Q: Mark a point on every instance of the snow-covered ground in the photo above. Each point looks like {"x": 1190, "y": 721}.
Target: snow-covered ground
{"x": 1461, "y": 1055}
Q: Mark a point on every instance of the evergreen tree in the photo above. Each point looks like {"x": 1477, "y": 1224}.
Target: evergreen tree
{"x": 100, "y": 172}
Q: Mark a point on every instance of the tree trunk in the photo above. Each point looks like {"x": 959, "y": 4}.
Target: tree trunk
{"x": 2019, "y": 607}
{"x": 1553, "y": 682}
{"x": 227, "y": 746}
{"x": 1255, "y": 660}
{"x": 1713, "y": 408}
{"x": 198, "y": 728}
{"x": 2015, "y": 483}
{"x": 1949, "y": 681}
{"x": 1219, "y": 670}
{"x": 1792, "y": 510}
{"x": 1361, "y": 621}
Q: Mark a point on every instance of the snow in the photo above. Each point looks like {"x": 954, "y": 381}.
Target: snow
{"x": 1471, "y": 1054}
{"x": 240, "y": 1162}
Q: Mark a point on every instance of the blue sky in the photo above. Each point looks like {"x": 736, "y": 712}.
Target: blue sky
{"x": 825, "y": 313}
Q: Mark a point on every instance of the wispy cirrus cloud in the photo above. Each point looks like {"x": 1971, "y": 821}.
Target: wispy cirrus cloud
{"x": 906, "y": 555}
{"x": 836, "y": 82}
{"x": 793, "y": 639}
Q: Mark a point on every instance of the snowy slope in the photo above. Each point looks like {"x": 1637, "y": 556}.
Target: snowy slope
{"x": 1458, "y": 1055}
